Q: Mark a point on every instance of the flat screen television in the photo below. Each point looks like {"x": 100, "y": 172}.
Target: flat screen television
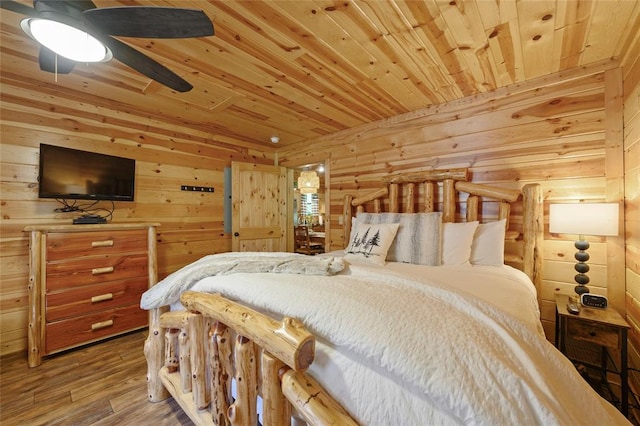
{"x": 67, "y": 173}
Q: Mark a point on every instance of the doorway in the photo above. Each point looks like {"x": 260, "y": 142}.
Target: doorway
{"x": 310, "y": 205}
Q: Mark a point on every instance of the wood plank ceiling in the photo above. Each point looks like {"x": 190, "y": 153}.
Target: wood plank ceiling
{"x": 302, "y": 69}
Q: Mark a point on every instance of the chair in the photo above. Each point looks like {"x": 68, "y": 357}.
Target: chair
{"x": 303, "y": 242}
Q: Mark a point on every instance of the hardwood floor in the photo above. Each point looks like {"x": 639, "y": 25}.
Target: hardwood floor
{"x": 101, "y": 384}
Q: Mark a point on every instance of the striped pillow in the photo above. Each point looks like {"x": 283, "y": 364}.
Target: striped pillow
{"x": 418, "y": 238}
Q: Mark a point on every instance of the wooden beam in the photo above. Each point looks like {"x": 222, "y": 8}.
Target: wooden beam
{"x": 312, "y": 402}
{"x": 287, "y": 340}
{"x": 461, "y": 174}
{"x": 510, "y": 195}
{"x": 382, "y": 192}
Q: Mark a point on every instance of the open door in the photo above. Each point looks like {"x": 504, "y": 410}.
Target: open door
{"x": 259, "y": 207}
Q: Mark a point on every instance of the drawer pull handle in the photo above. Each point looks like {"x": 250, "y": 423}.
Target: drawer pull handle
{"x": 592, "y": 333}
{"x": 105, "y": 270}
{"x": 105, "y": 243}
{"x": 102, "y": 298}
{"x": 103, "y": 324}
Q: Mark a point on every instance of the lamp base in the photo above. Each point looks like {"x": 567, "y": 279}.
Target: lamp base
{"x": 581, "y": 289}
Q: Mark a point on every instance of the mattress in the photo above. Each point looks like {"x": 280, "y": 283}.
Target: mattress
{"x": 412, "y": 345}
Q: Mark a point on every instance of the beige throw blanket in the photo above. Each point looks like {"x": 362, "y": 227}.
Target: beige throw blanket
{"x": 169, "y": 289}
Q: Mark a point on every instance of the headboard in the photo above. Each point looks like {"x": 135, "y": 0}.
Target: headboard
{"x": 458, "y": 199}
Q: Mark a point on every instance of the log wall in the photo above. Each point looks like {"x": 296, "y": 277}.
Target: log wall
{"x": 551, "y": 130}
{"x": 167, "y": 156}
{"x": 631, "y": 89}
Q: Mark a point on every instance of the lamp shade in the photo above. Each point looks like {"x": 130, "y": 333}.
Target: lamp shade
{"x": 584, "y": 218}
{"x": 308, "y": 182}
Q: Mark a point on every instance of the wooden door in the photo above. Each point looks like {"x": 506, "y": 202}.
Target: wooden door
{"x": 259, "y": 207}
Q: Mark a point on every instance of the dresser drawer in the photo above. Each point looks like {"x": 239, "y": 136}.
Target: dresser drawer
{"x": 94, "y": 298}
{"x": 81, "y": 244}
{"x": 600, "y": 334}
{"x": 74, "y": 331}
{"x": 83, "y": 271}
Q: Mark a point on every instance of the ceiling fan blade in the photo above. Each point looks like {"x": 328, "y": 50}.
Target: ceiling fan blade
{"x": 145, "y": 65}
{"x": 54, "y": 8}
{"x": 20, "y": 8}
{"x": 150, "y": 22}
{"x": 51, "y": 62}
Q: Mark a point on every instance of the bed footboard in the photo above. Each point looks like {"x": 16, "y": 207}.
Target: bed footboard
{"x": 218, "y": 359}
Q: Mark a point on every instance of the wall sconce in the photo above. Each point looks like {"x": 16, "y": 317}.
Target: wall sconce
{"x": 583, "y": 219}
{"x": 308, "y": 182}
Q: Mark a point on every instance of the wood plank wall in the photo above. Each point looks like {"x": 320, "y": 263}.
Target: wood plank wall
{"x": 631, "y": 90}
{"x": 167, "y": 156}
{"x": 551, "y": 130}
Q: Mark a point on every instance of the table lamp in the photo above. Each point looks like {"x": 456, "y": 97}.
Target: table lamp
{"x": 583, "y": 219}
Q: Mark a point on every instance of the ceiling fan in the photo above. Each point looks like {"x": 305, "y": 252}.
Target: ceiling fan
{"x": 54, "y": 23}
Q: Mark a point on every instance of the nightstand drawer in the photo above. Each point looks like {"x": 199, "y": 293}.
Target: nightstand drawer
{"x": 596, "y": 333}
{"x": 82, "y": 244}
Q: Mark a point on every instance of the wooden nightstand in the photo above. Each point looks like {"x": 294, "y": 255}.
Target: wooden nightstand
{"x": 603, "y": 327}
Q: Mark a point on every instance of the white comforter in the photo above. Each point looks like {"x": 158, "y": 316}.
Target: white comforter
{"x": 414, "y": 345}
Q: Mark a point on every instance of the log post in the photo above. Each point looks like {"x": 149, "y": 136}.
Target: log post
{"x": 275, "y": 407}
{"x": 154, "y": 353}
{"x": 410, "y": 207}
{"x": 185, "y": 360}
{"x": 472, "y": 208}
{"x": 171, "y": 360}
{"x": 448, "y": 201}
{"x": 428, "y": 197}
{"x": 219, "y": 349}
{"x": 504, "y": 212}
{"x": 394, "y": 201}
{"x": 243, "y": 410}
{"x": 347, "y": 214}
{"x": 198, "y": 361}
{"x": 35, "y": 330}
{"x": 533, "y": 233}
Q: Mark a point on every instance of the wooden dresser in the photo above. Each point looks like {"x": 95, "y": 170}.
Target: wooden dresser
{"x": 85, "y": 283}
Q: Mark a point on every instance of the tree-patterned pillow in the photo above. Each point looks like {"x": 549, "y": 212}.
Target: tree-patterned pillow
{"x": 371, "y": 242}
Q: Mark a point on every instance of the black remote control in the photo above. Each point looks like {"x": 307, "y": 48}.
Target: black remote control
{"x": 573, "y": 308}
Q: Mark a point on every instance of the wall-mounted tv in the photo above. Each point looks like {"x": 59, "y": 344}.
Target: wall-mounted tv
{"x": 67, "y": 173}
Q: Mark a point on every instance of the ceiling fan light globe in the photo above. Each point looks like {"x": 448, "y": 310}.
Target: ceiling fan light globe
{"x": 66, "y": 40}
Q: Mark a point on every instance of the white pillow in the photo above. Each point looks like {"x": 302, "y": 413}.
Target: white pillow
{"x": 371, "y": 242}
{"x": 418, "y": 239}
{"x": 456, "y": 242}
{"x": 488, "y": 244}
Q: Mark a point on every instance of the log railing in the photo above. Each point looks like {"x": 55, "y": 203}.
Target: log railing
{"x": 217, "y": 342}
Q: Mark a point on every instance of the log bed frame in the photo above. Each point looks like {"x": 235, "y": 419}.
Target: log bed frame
{"x": 193, "y": 355}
